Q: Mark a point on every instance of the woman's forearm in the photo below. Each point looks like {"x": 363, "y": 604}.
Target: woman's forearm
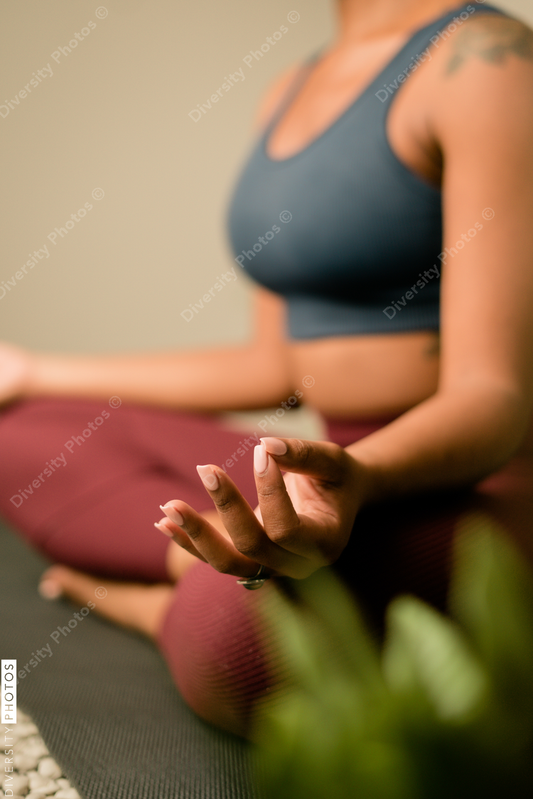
{"x": 449, "y": 440}
{"x": 232, "y": 378}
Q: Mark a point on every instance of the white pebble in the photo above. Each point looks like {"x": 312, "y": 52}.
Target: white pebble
{"x": 42, "y": 784}
{"x": 37, "y": 781}
{"x": 63, "y": 783}
{"x": 34, "y": 746}
{"x": 25, "y": 729}
{"x": 36, "y": 795}
{"x": 49, "y": 768}
{"x": 67, "y": 793}
{"x": 20, "y": 783}
{"x": 23, "y": 762}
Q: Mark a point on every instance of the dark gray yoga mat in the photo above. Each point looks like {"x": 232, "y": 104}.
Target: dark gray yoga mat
{"x": 104, "y": 702}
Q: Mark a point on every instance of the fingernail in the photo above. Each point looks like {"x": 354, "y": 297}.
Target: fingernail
{"x": 49, "y": 589}
{"x": 162, "y": 529}
{"x": 173, "y": 514}
{"x": 274, "y": 446}
{"x": 208, "y": 478}
{"x": 260, "y": 460}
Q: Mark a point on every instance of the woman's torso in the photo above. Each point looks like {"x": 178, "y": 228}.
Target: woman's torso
{"x": 370, "y": 375}
{"x": 366, "y": 375}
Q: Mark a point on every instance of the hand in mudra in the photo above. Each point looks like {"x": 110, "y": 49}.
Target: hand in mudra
{"x": 303, "y": 521}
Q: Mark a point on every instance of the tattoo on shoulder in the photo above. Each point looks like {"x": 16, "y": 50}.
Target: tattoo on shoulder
{"x": 493, "y": 39}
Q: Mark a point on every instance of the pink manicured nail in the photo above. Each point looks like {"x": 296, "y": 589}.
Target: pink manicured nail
{"x": 173, "y": 514}
{"x": 162, "y": 529}
{"x": 208, "y": 478}
{"x": 260, "y": 460}
{"x": 49, "y": 589}
{"x": 274, "y": 446}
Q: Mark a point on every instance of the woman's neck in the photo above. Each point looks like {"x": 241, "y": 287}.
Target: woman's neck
{"x": 361, "y": 20}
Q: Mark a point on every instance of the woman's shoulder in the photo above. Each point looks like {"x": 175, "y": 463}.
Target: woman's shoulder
{"x": 481, "y": 80}
{"x": 491, "y": 38}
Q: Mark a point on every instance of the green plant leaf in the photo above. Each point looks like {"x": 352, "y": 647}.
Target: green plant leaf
{"x": 427, "y": 654}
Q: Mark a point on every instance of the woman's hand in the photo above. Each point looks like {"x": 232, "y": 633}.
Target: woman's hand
{"x": 16, "y": 367}
{"x": 303, "y": 520}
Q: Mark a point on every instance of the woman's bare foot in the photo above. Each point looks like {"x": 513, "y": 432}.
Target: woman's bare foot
{"x": 138, "y": 606}
{"x": 135, "y": 605}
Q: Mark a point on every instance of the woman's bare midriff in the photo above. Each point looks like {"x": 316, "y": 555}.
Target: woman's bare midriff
{"x": 370, "y": 377}
{"x": 366, "y": 376}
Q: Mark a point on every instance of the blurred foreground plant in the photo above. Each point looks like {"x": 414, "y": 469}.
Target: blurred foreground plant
{"x": 444, "y": 710}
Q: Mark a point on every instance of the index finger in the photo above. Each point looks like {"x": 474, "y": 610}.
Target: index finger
{"x": 322, "y": 460}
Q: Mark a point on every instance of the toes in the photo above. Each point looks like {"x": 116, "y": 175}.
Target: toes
{"x": 136, "y": 606}
{"x": 63, "y": 581}
{"x": 49, "y": 588}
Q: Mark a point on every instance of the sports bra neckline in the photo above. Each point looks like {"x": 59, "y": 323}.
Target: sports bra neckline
{"x": 304, "y": 74}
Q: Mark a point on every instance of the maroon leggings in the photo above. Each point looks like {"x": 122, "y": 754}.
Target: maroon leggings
{"x": 83, "y": 481}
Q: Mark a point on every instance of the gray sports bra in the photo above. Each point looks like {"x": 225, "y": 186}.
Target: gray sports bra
{"x": 343, "y": 229}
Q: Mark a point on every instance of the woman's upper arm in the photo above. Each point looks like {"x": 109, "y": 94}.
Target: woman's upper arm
{"x": 483, "y": 124}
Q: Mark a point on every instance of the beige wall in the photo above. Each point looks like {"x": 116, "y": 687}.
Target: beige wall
{"x": 114, "y": 115}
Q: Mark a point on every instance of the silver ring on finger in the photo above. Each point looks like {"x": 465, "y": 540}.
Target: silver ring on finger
{"x": 257, "y": 581}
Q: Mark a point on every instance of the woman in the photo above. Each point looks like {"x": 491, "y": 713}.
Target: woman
{"x": 386, "y": 212}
